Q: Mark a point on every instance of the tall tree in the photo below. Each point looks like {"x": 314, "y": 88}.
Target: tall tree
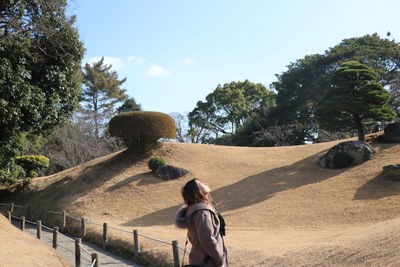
{"x": 40, "y": 72}
{"x": 354, "y": 99}
{"x": 101, "y": 92}
{"x": 227, "y": 108}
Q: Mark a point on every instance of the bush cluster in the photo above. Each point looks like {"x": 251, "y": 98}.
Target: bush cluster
{"x": 7, "y": 177}
{"x": 33, "y": 164}
{"x": 342, "y": 160}
{"x": 141, "y": 130}
{"x": 157, "y": 162}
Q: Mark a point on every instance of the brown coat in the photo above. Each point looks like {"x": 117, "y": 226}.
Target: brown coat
{"x": 202, "y": 222}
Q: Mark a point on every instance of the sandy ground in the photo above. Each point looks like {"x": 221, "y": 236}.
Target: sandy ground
{"x": 280, "y": 207}
{"x": 20, "y": 249}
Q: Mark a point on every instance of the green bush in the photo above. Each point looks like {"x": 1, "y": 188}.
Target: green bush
{"x": 154, "y": 163}
{"x": 7, "y": 177}
{"x": 141, "y": 130}
{"x": 342, "y": 160}
{"x": 33, "y": 164}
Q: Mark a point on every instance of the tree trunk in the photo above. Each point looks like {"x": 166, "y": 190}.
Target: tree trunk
{"x": 360, "y": 129}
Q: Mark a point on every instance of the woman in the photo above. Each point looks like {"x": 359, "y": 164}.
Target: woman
{"x": 204, "y": 223}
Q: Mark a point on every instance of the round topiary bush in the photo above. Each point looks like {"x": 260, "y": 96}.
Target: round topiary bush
{"x": 342, "y": 160}
{"x": 141, "y": 130}
{"x": 154, "y": 163}
{"x": 33, "y": 164}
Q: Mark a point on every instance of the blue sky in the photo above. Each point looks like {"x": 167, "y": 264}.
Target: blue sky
{"x": 175, "y": 52}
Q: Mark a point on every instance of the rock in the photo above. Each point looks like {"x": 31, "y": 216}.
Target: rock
{"x": 359, "y": 151}
{"x": 391, "y": 170}
{"x": 392, "y": 133}
{"x": 169, "y": 172}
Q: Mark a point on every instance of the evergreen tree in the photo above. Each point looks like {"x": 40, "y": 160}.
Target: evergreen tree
{"x": 40, "y": 71}
{"x": 101, "y": 92}
{"x": 129, "y": 105}
{"x": 354, "y": 100}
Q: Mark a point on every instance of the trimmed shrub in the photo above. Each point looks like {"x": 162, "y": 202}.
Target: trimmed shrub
{"x": 141, "y": 130}
{"x": 342, "y": 160}
{"x": 7, "y": 177}
{"x": 154, "y": 163}
{"x": 33, "y": 164}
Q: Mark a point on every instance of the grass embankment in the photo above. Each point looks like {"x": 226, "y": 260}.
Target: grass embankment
{"x": 280, "y": 207}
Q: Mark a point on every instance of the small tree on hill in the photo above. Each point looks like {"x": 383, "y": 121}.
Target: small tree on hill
{"x": 354, "y": 100}
{"x": 141, "y": 130}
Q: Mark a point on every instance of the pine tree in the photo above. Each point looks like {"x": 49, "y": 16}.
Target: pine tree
{"x": 354, "y": 100}
{"x": 101, "y": 92}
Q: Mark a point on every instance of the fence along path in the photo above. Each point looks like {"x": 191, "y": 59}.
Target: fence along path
{"x": 74, "y": 251}
{"x": 84, "y": 222}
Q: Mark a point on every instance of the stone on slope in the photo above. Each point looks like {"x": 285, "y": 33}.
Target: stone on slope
{"x": 359, "y": 151}
{"x": 169, "y": 172}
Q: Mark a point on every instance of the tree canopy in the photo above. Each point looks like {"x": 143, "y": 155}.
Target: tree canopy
{"x": 354, "y": 99}
{"x": 227, "y": 108}
{"x": 301, "y": 87}
{"x": 40, "y": 71}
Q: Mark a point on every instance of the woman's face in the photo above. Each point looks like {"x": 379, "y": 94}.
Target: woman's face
{"x": 204, "y": 188}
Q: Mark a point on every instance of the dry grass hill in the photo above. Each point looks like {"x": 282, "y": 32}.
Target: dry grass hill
{"x": 280, "y": 207}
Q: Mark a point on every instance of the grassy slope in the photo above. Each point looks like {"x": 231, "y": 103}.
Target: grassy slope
{"x": 280, "y": 207}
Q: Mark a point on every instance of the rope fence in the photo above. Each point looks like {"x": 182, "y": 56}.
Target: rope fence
{"x": 83, "y": 224}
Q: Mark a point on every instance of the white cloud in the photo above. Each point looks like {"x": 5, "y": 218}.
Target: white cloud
{"x": 136, "y": 60}
{"x": 116, "y": 62}
{"x": 156, "y": 71}
{"x": 188, "y": 61}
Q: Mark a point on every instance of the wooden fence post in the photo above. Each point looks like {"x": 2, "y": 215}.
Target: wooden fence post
{"x": 105, "y": 235}
{"x": 9, "y": 216}
{"x": 12, "y": 207}
{"x": 22, "y": 225}
{"x": 83, "y": 227}
{"x": 55, "y": 231}
{"x": 175, "y": 250}
{"x": 39, "y": 229}
{"x": 77, "y": 252}
{"x": 95, "y": 258}
{"x": 63, "y": 220}
{"x": 136, "y": 248}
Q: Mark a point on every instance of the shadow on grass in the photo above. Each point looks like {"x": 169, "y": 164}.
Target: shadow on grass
{"x": 253, "y": 189}
{"x": 143, "y": 178}
{"x": 378, "y": 187}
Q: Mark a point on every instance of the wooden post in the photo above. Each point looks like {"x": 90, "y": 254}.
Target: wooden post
{"x": 55, "y": 231}
{"x": 83, "y": 227}
{"x": 95, "y": 258}
{"x": 77, "y": 252}
{"x": 22, "y": 225}
{"x": 136, "y": 248}
{"x": 175, "y": 250}
{"x": 12, "y": 207}
{"x": 9, "y": 216}
{"x": 105, "y": 235}
{"x": 63, "y": 220}
{"x": 39, "y": 229}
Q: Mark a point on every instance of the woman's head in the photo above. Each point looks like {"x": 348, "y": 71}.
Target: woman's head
{"x": 195, "y": 191}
